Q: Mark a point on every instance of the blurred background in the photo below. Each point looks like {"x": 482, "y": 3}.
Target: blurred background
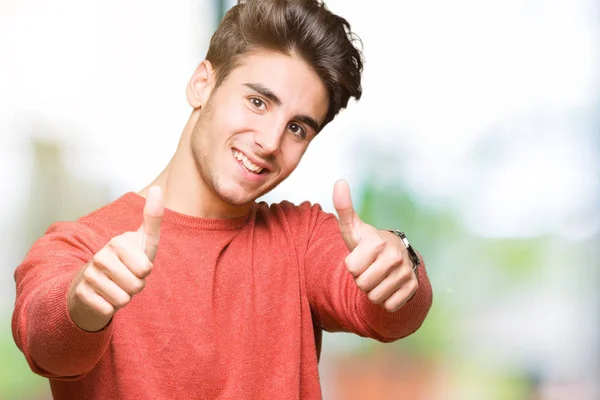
{"x": 478, "y": 135}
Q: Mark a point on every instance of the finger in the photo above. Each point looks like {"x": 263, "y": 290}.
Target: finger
{"x": 400, "y": 297}
{"x": 342, "y": 201}
{"x": 381, "y": 267}
{"x": 94, "y": 302}
{"x": 374, "y": 275}
{"x": 390, "y": 284}
{"x": 112, "y": 264}
{"x": 361, "y": 258}
{"x": 150, "y": 229}
{"x": 106, "y": 288}
{"x": 127, "y": 252}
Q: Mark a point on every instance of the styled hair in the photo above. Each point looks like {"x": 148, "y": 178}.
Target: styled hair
{"x": 305, "y": 28}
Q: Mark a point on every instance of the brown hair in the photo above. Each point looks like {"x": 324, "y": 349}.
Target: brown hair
{"x": 303, "y": 27}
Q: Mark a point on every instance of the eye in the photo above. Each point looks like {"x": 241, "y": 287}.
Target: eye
{"x": 297, "y": 130}
{"x": 258, "y": 103}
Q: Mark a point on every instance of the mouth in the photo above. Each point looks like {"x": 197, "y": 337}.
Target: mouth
{"x": 249, "y": 165}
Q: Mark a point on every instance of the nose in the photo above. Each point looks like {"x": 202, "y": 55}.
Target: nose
{"x": 268, "y": 138}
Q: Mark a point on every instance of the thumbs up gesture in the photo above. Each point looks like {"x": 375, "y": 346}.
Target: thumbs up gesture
{"x": 118, "y": 271}
{"x": 378, "y": 260}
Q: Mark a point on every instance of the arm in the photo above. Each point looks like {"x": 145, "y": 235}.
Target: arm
{"x": 360, "y": 279}
{"x": 42, "y": 328}
{"x": 68, "y": 292}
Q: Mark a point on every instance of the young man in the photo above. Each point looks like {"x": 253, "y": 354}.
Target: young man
{"x": 240, "y": 291}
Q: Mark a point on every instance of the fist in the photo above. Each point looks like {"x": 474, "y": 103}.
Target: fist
{"x": 378, "y": 260}
{"x": 117, "y": 272}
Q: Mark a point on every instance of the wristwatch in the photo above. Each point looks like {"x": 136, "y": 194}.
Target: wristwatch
{"x": 412, "y": 254}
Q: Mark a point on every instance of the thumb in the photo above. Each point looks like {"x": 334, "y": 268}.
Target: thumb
{"x": 150, "y": 230}
{"x": 342, "y": 201}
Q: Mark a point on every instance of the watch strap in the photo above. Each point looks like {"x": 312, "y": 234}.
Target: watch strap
{"x": 412, "y": 254}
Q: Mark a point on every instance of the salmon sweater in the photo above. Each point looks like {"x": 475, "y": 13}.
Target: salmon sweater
{"x": 233, "y": 309}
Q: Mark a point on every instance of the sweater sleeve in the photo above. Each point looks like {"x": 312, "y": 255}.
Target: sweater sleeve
{"x": 42, "y": 328}
{"x": 338, "y": 304}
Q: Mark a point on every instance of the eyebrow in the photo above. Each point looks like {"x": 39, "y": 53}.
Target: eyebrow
{"x": 308, "y": 121}
{"x": 263, "y": 91}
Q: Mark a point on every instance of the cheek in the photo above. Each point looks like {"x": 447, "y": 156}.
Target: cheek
{"x": 238, "y": 116}
{"x": 248, "y": 120}
{"x": 225, "y": 118}
{"x": 291, "y": 155}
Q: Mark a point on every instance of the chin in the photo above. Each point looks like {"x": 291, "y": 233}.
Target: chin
{"x": 236, "y": 196}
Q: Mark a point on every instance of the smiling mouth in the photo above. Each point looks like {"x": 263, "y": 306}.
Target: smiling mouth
{"x": 247, "y": 164}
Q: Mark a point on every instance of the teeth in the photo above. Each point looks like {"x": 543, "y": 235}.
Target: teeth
{"x": 247, "y": 163}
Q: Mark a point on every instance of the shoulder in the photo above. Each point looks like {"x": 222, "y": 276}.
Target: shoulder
{"x": 122, "y": 213}
{"x": 96, "y": 228}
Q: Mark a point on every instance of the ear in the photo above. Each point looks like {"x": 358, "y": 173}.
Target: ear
{"x": 200, "y": 85}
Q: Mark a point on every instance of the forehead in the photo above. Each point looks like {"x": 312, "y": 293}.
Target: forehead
{"x": 288, "y": 76}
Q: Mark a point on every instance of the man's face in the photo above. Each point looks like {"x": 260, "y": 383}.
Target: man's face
{"x": 256, "y": 126}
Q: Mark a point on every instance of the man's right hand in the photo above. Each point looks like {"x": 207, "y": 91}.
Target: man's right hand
{"x": 117, "y": 272}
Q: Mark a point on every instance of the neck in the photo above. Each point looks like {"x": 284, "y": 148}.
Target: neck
{"x": 184, "y": 189}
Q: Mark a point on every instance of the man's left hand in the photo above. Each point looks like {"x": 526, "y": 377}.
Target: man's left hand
{"x": 378, "y": 260}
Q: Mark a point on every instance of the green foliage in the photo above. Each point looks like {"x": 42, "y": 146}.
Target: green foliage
{"x": 517, "y": 258}
{"x": 453, "y": 255}
{"x": 16, "y": 379}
